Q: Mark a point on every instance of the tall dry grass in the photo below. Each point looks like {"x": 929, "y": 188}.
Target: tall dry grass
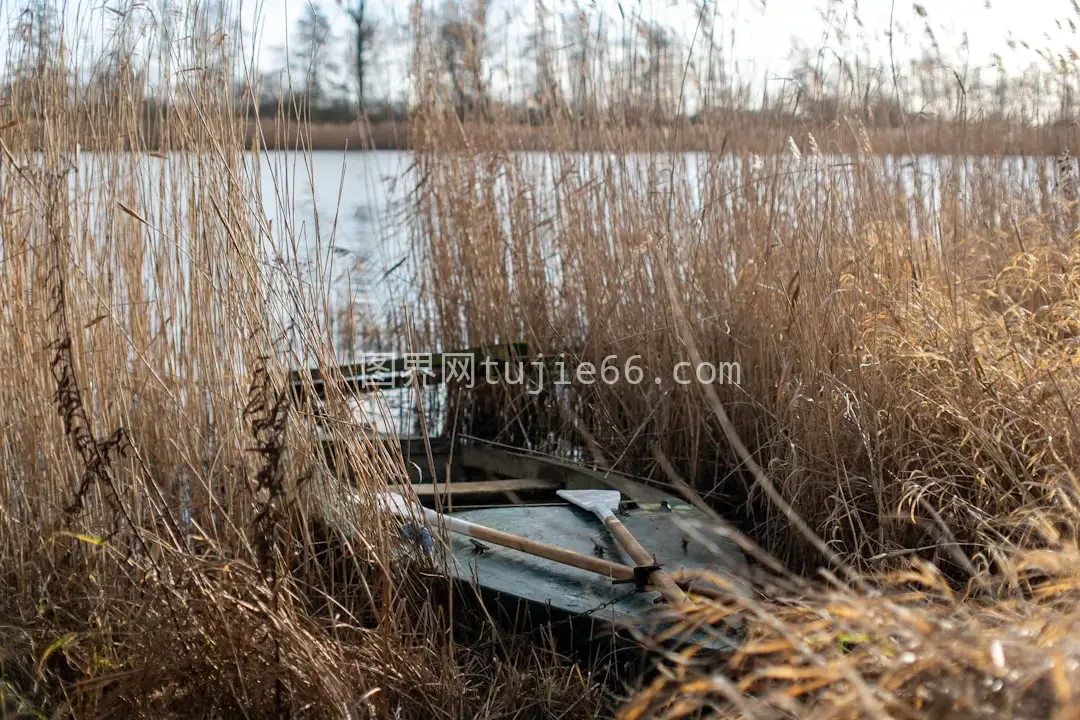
{"x": 164, "y": 543}
{"x": 904, "y": 330}
{"x": 907, "y": 331}
{"x": 906, "y": 340}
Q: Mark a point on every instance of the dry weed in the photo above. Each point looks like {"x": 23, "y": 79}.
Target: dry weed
{"x": 163, "y": 552}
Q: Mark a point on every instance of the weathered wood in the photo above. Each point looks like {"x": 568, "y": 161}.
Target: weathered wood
{"x": 571, "y": 476}
{"x": 456, "y": 490}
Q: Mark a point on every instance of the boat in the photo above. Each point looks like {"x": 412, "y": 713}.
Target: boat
{"x": 516, "y": 491}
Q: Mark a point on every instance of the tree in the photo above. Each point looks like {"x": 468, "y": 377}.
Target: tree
{"x": 453, "y": 46}
{"x": 209, "y": 51}
{"x": 38, "y": 63}
{"x": 545, "y": 94}
{"x": 462, "y": 53}
{"x": 1001, "y": 93}
{"x": 658, "y": 49}
{"x": 364, "y": 35}
{"x": 477, "y": 51}
{"x": 313, "y": 54}
{"x": 119, "y": 77}
{"x": 579, "y": 40}
{"x": 38, "y": 31}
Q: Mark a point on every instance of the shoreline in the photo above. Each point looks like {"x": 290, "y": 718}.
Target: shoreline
{"x": 931, "y": 139}
{"x": 738, "y": 138}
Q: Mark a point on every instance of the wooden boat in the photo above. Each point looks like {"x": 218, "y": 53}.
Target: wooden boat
{"x": 512, "y": 490}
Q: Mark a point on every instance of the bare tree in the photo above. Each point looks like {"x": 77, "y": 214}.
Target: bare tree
{"x": 209, "y": 51}
{"x": 363, "y": 37}
{"x": 545, "y": 94}
{"x": 119, "y": 76}
{"x": 658, "y": 49}
{"x": 1001, "y": 93}
{"x": 38, "y": 51}
{"x": 462, "y": 50}
{"x": 452, "y": 46}
{"x": 579, "y": 41}
{"x": 477, "y": 52}
{"x": 313, "y": 54}
{"x": 38, "y": 30}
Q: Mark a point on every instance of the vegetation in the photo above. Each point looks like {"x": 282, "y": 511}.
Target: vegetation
{"x": 903, "y": 436}
{"x": 347, "y": 70}
{"x": 899, "y": 456}
{"x": 157, "y": 550}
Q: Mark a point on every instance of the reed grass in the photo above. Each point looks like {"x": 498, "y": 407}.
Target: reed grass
{"x": 918, "y": 345}
{"x": 899, "y": 454}
{"x": 901, "y": 450}
{"x": 163, "y": 542}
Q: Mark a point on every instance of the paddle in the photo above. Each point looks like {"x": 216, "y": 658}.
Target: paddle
{"x": 399, "y": 505}
{"x": 603, "y": 504}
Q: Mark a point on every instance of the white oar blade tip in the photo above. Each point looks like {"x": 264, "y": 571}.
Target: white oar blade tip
{"x": 603, "y": 501}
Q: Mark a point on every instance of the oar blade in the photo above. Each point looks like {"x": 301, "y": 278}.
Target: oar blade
{"x": 598, "y": 502}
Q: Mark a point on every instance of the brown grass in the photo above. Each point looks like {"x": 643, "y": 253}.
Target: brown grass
{"x": 737, "y": 133}
{"x": 918, "y": 648}
{"x": 937, "y": 382}
{"x": 905, "y": 419}
{"x": 903, "y": 435}
{"x": 274, "y": 134}
{"x": 160, "y": 549}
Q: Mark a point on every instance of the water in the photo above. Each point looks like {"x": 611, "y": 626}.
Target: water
{"x": 349, "y": 213}
{"x": 338, "y": 224}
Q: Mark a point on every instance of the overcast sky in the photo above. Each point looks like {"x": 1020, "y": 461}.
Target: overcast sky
{"x": 764, "y": 31}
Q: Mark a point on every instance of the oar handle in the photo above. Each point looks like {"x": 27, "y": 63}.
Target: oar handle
{"x": 597, "y": 565}
{"x": 643, "y": 558}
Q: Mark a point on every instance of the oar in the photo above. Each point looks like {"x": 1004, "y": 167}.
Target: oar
{"x": 603, "y": 504}
{"x": 399, "y": 505}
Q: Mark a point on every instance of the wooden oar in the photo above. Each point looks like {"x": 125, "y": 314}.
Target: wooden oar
{"x": 616, "y": 571}
{"x": 603, "y": 504}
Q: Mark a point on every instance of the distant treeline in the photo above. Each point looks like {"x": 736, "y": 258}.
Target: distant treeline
{"x": 337, "y": 124}
{"x": 737, "y": 135}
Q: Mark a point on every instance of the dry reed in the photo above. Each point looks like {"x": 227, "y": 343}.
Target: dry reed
{"x": 163, "y": 545}
{"x": 906, "y": 333}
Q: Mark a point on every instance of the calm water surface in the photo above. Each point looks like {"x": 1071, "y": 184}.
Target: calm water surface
{"x": 339, "y": 223}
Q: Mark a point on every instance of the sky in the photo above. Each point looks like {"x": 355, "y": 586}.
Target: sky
{"x": 764, "y": 32}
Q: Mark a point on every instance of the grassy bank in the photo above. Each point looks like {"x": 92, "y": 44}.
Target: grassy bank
{"x": 736, "y": 133}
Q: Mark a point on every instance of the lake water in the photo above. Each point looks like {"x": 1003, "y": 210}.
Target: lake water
{"x": 349, "y": 215}
{"x": 339, "y": 224}
{"x": 360, "y": 255}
